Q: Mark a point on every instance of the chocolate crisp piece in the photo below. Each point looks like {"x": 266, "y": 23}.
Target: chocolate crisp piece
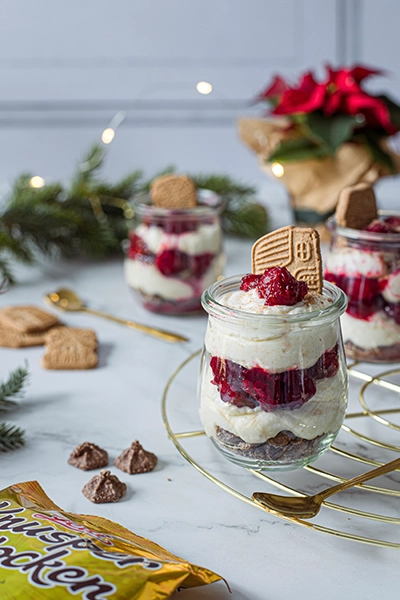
{"x": 104, "y": 488}
{"x": 136, "y": 460}
{"x": 88, "y": 456}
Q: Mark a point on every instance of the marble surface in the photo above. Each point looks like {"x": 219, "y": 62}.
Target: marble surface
{"x": 261, "y": 556}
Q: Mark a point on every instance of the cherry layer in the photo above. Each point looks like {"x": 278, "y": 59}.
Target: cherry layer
{"x": 171, "y": 262}
{"x": 176, "y": 225}
{"x": 258, "y": 387}
{"x": 365, "y": 296}
{"x": 276, "y": 286}
{"x": 385, "y": 225}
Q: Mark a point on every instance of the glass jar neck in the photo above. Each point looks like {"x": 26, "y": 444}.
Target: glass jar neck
{"x": 366, "y": 238}
{"x": 209, "y": 205}
{"x": 213, "y": 303}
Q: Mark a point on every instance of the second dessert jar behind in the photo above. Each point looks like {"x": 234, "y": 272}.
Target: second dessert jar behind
{"x": 175, "y": 254}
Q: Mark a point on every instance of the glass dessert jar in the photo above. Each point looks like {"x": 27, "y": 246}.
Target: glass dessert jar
{"x": 366, "y": 266}
{"x": 174, "y": 255}
{"x": 272, "y": 390}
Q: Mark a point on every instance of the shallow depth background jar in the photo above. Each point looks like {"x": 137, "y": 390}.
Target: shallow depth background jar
{"x": 366, "y": 266}
{"x": 272, "y": 389}
{"x": 174, "y": 255}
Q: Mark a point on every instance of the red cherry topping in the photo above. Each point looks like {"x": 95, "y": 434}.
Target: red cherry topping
{"x": 394, "y": 223}
{"x": 277, "y": 286}
{"x": 249, "y": 282}
{"x": 378, "y": 227}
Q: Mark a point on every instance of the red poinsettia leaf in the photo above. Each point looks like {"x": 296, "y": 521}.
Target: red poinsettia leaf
{"x": 374, "y": 110}
{"x": 359, "y": 72}
{"x": 277, "y": 88}
{"x": 297, "y": 101}
{"x": 307, "y": 83}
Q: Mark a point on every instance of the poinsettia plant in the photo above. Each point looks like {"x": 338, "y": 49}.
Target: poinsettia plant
{"x": 323, "y": 115}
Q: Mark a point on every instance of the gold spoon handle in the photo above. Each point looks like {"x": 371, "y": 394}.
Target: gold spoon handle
{"x": 160, "y": 333}
{"x": 391, "y": 466}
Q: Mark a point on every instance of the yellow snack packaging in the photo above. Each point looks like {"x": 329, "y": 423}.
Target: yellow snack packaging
{"x": 47, "y": 553}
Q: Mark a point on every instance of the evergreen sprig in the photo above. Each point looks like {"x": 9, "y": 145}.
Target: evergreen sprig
{"x": 12, "y": 388}
{"x": 11, "y": 437}
{"x": 92, "y": 217}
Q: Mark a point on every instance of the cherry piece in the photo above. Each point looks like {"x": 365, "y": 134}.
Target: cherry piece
{"x": 278, "y": 287}
{"x": 249, "y": 282}
{"x": 171, "y": 262}
{"x": 139, "y": 249}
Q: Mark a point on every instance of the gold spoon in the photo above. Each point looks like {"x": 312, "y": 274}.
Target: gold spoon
{"x": 67, "y": 300}
{"x": 307, "y": 507}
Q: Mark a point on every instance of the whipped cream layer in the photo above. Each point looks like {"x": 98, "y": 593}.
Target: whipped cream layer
{"x": 323, "y": 413}
{"x": 355, "y": 263}
{"x": 377, "y": 331}
{"x": 206, "y": 238}
{"x": 391, "y": 291}
{"x": 148, "y": 279}
{"x": 274, "y": 347}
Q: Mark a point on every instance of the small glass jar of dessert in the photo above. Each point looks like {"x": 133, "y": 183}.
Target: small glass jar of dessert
{"x": 365, "y": 264}
{"x": 175, "y": 254}
{"x": 272, "y": 390}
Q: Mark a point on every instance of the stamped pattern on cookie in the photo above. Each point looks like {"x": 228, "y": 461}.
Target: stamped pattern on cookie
{"x": 174, "y": 192}
{"x": 28, "y": 319}
{"x": 61, "y": 335}
{"x": 356, "y": 207}
{"x": 69, "y": 356}
{"x": 296, "y": 248}
{"x": 12, "y": 338}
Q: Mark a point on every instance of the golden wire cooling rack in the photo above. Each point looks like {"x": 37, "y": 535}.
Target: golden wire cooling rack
{"x": 370, "y": 435}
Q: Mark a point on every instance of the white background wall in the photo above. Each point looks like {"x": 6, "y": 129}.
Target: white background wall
{"x": 66, "y": 68}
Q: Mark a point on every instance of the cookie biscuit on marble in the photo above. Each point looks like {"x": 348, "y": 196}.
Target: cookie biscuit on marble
{"x": 27, "y": 319}
{"x": 61, "y": 335}
{"x": 69, "y": 356}
{"x": 12, "y": 338}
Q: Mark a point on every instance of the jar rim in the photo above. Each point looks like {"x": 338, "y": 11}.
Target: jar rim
{"x": 368, "y": 236}
{"x": 331, "y": 312}
{"x": 209, "y": 203}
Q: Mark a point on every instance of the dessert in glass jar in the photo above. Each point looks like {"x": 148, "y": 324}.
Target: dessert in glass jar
{"x": 364, "y": 261}
{"x": 175, "y": 253}
{"x": 272, "y": 388}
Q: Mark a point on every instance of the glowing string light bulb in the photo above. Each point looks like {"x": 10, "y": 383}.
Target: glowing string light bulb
{"x": 277, "y": 169}
{"x": 36, "y": 182}
{"x": 108, "y": 135}
{"x": 203, "y": 87}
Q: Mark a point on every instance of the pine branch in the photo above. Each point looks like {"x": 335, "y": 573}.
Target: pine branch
{"x": 11, "y": 437}
{"x": 249, "y": 221}
{"x": 13, "y": 387}
{"x": 5, "y": 270}
{"x": 92, "y": 217}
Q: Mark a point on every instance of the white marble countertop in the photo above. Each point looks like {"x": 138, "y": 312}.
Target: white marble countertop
{"x": 262, "y": 557}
